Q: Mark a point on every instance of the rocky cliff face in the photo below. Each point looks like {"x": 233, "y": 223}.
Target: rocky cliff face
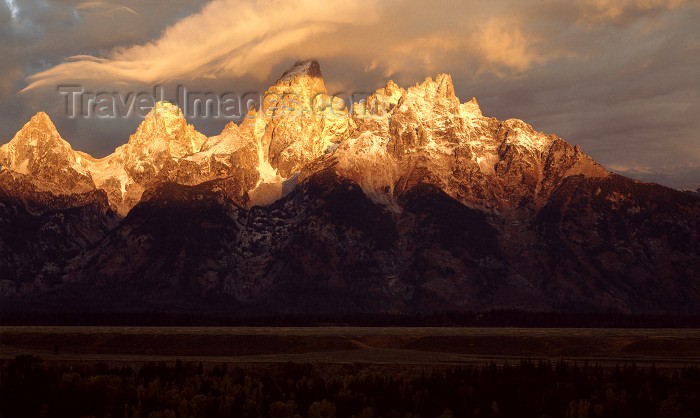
{"x": 48, "y": 161}
{"x": 40, "y": 231}
{"x": 420, "y": 204}
{"x": 151, "y": 156}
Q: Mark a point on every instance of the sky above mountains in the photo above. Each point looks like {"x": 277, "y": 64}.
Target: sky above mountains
{"x": 619, "y": 78}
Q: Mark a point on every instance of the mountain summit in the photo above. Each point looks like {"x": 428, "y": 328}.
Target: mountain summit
{"x": 300, "y": 69}
{"x": 38, "y": 152}
{"x": 413, "y": 202}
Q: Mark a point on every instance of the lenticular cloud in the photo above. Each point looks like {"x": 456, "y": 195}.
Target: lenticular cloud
{"x": 226, "y": 38}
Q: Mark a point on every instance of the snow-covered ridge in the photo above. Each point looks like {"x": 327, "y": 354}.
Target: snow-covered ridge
{"x": 423, "y": 130}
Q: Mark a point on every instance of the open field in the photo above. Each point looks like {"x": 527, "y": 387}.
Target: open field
{"x": 347, "y": 345}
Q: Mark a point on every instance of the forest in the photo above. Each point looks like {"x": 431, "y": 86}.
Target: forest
{"x": 32, "y": 387}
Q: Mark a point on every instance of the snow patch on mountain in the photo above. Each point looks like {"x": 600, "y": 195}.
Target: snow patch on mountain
{"x": 525, "y": 136}
{"x": 365, "y": 160}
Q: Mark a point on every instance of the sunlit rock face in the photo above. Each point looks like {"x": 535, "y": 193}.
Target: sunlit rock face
{"x": 162, "y": 138}
{"x": 152, "y": 153}
{"x": 49, "y": 162}
{"x": 296, "y": 124}
{"x": 479, "y": 161}
{"x": 291, "y": 131}
{"x": 411, "y": 202}
{"x": 426, "y": 135}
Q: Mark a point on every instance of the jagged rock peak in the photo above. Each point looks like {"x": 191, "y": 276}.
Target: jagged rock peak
{"x": 166, "y": 122}
{"x": 165, "y": 109}
{"x": 167, "y": 115}
{"x": 392, "y": 93}
{"x": 472, "y": 107}
{"x": 309, "y": 68}
{"x": 41, "y": 120}
{"x": 390, "y": 85}
{"x": 445, "y": 87}
{"x": 39, "y": 151}
{"x": 40, "y": 127}
{"x": 435, "y": 91}
{"x": 39, "y": 133}
{"x": 427, "y": 97}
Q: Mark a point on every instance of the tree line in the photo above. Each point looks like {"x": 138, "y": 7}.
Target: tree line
{"x": 32, "y": 387}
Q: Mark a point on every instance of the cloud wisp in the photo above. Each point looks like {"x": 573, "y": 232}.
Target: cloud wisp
{"x": 103, "y": 7}
{"x": 230, "y": 38}
{"x": 226, "y": 38}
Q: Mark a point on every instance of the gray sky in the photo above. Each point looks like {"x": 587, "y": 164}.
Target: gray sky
{"x": 618, "y": 77}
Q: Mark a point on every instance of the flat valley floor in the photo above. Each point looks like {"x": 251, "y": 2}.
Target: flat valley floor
{"x": 354, "y": 345}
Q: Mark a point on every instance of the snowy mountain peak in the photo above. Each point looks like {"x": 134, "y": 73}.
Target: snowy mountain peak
{"x": 38, "y": 151}
{"x": 36, "y": 138}
{"x": 301, "y": 68}
{"x": 445, "y": 87}
{"x": 42, "y": 120}
{"x": 166, "y": 115}
{"x": 431, "y": 95}
{"x": 289, "y": 132}
{"x": 165, "y": 110}
{"x": 302, "y": 81}
{"x": 38, "y": 130}
{"x": 165, "y": 128}
{"x": 471, "y": 108}
{"x": 391, "y": 94}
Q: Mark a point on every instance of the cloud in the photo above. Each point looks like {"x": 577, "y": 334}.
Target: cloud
{"x": 502, "y": 42}
{"x": 36, "y": 35}
{"x": 225, "y": 38}
{"x": 686, "y": 176}
{"x": 622, "y": 11}
{"x": 232, "y": 38}
{"x": 103, "y": 7}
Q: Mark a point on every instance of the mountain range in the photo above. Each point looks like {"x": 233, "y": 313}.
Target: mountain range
{"x": 424, "y": 205}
